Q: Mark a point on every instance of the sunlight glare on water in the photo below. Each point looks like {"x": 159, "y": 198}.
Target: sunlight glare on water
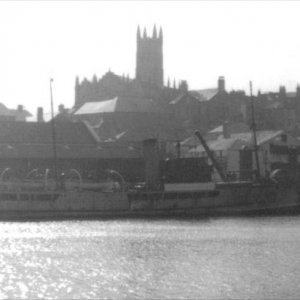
{"x": 151, "y": 259}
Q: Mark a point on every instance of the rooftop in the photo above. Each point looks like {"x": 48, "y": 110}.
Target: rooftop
{"x": 205, "y": 94}
{"x": 20, "y": 111}
{"x": 41, "y": 133}
{"x": 118, "y": 104}
{"x": 237, "y": 141}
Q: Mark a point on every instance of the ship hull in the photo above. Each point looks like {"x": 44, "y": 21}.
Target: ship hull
{"x": 224, "y": 199}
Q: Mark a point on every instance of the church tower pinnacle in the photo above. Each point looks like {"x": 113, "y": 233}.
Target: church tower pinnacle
{"x": 149, "y": 58}
{"x": 154, "y": 35}
{"x": 138, "y": 33}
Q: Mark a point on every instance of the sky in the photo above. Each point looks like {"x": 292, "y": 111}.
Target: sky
{"x": 241, "y": 40}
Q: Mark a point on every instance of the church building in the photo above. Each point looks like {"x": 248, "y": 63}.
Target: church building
{"x": 119, "y": 93}
{"x": 148, "y": 82}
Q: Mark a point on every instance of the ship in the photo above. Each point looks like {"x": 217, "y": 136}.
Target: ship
{"x": 179, "y": 191}
{"x": 28, "y": 200}
{"x": 177, "y": 187}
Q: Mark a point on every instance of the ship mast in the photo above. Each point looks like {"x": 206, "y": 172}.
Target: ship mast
{"x": 253, "y": 127}
{"x": 53, "y": 136}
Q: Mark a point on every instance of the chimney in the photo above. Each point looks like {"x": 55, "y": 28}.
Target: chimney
{"x": 61, "y": 108}
{"x": 40, "y": 114}
{"x": 221, "y": 84}
{"x": 282, "y": 91}
{"x": 226, "y": 131}
{"x": 298, "y": 91}
{"x": 20, "y": 108}
{"x": 183, "y": 86}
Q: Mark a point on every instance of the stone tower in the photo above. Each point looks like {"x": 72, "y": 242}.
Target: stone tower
{"x": 149, "y": 58}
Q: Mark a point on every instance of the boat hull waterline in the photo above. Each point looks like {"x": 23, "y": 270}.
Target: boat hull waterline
{"x": 225, "y": 199}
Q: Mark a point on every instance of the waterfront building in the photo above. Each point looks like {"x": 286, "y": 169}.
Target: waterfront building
{"x": 234, "y": 151}
{"x": 25, "y": 146}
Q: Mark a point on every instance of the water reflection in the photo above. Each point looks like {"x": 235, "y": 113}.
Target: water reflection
{"x": 217, "y": 258}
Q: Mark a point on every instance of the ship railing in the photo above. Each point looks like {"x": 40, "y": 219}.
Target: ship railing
{"x": 11, "y": 185}
{"x": 69, "y": 185}
{"x": 26, "y": 185}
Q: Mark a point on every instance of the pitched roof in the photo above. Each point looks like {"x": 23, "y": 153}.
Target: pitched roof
{"x": 182, "y": 97}
{"x": 190, "y": 141}
{"x": 34, "y": 140}
{"x": 205, "y": 95}
{"x": 179, "y": 98}
{"x": 275, "y": 95}
{"x": 238, "y": 140}
{"x": 4, "y": 111}
{"x": 222, "y": 144}
{"x": 233, "y": 128}
{"x": 137, "y": 127}
{"x": 97, "y": 107}
{"x": 16, "y": 113}
{"x": 41, "y": 133}
{"x": 118, "y": 104}
{"x": 45, "y": 151}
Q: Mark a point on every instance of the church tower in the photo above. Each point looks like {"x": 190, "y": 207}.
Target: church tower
{"x": 149, "y": 58}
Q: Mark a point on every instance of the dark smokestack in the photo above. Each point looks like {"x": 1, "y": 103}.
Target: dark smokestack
{"x": 183, "y": 86}
{"x": 221, "y": 84}
{"x": 298, "y": 90}
{"x": 61, "y": 108}
{"x": 40, "y": 114}
{"x": 282, "y": 91}
{"x": 20, "y": 108}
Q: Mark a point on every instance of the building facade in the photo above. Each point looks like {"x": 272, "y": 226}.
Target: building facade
{"x": 29, "y": 146}
{"x": 235, "y": 152}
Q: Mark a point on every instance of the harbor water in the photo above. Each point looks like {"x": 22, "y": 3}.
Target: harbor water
{"x": 213, "y": 258}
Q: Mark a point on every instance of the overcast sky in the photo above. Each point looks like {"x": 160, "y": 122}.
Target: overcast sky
{"x": 255, "y": 40}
